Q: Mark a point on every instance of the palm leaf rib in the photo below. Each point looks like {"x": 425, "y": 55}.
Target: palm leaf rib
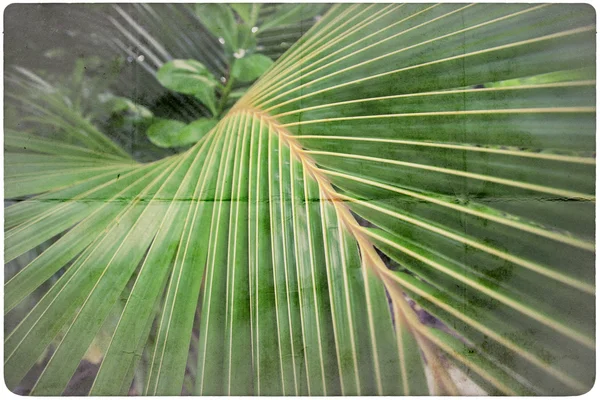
{"x": 366, "y": 220}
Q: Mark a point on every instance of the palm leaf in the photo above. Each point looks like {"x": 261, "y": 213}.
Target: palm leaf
{"x": 369, "y": 140}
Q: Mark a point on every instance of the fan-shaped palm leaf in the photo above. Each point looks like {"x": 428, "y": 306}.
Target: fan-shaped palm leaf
{"x": 369, "y": 137}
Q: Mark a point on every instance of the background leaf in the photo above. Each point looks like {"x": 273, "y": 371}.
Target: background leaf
{"x": 195, "y": 131}
{"x": 246, "y": 39}
{"x": 249, "y": 68}
{"x": 220, "y": 21}
{"x": 165, "y": 132}
{"x": 189, "y": 77}
{"x": 247, "y": 11}
{"x": 172, "y": 133}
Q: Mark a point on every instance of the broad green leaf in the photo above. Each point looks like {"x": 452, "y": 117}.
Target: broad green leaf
{"x": 172, "y": 133}
{"x": 165, "y": 132}
{"x": 220, "y": 21}
{"x": 195, "y": 131}
{"x": 243, "y": 10}
{"x": 250, "y": 67}
{"x": 246, "y": 39}
{"x": 247, "y": 11}
{"x": 189, "y": 77}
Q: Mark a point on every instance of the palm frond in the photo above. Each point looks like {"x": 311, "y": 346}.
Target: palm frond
{"x": 371, "y": 138}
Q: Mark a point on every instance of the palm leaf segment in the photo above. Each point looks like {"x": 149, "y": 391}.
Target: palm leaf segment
{"x": 481, "y": 198}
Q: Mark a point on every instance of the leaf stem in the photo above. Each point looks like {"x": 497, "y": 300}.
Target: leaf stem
{"x": 226, "y": 91}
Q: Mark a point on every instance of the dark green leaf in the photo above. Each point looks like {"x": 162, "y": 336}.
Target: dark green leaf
{"x": 247, "y": 11}
{"x": 245, "y": 39}
{"x": 244, "y": 10}
{"x": 189, "y": 77}
{"x": 194, "y": 131}
{"x": 164, "y": 132}
{"x": 172, "y": 133}
{"x": 219, "y": 20}
{"x": 249, "y": 68}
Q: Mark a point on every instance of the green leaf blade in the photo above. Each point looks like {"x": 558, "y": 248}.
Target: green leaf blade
{"x": 251, "y": 67}
{"x": 190, "y": 77}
